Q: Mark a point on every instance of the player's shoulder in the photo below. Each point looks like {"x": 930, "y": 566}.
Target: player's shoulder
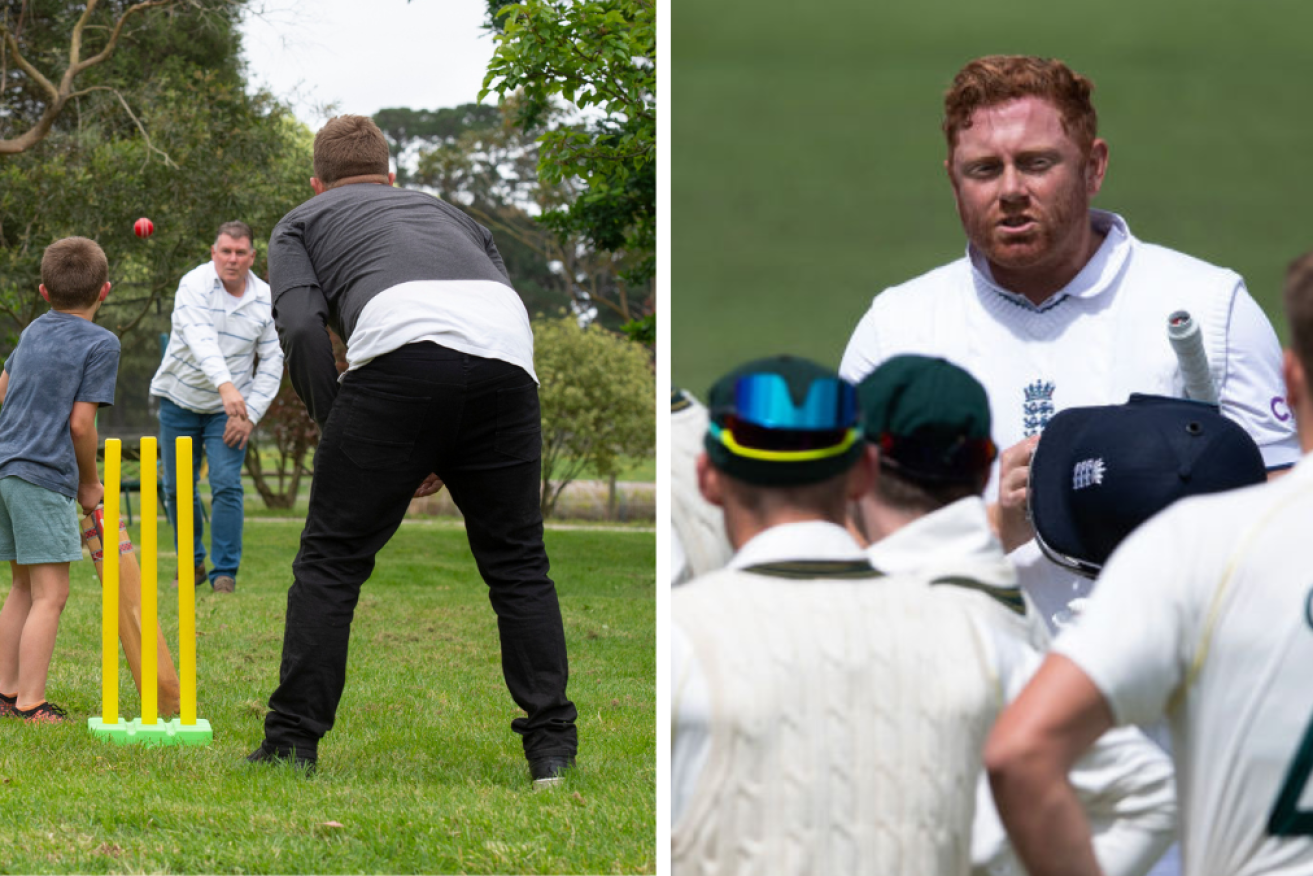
{"x": 1216, "y": 521}
{"x": 943, "y": 283}
{"x": 200, "y": 277}
{"x": 1165, "y": 262}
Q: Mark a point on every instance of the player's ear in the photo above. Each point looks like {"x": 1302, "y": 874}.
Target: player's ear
{"x": 861, "y": 479}
{"x": 318, "y": 186}
{"x": 104, "y": 290}
{"x": 1096, "y": 165}
{"x": 709, "y": 483}
{"x": 44, "y": 293}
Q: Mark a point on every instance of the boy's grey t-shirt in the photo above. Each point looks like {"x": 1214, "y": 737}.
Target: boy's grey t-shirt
{"x": 60, "y": 359}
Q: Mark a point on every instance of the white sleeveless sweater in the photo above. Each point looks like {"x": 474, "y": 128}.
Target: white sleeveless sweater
{"x": 847, "y": 722}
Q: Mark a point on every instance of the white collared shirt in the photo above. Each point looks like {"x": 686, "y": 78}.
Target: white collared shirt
{"x": 1096, "y": 341}
{"x": 216, "y": 338}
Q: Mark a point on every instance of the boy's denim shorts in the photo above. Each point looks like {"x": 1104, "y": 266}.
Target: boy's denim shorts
{"x": 37, "y": 525}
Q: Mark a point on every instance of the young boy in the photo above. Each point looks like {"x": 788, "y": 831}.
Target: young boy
{"x": 62, "y": 371}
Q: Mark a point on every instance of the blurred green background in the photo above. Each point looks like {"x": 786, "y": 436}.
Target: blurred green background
{"x": 807, "y": 158}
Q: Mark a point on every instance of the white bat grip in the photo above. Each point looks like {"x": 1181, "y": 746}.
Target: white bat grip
{"x": 1188, "y": 344}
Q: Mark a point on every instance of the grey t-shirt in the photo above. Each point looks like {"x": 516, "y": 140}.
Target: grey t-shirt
{"x": 60, "y": 359}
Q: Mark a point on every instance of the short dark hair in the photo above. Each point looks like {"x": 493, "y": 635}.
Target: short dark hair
{"x": 74, "y": 270}
{"x": 827, "y": 498}
{"x": 997, "y": 79}
{"x": 1298, "y": 301}
{"x": 349, "y": 146}
{"x": 907, "y": 494}
{"x": 236, "y": 230}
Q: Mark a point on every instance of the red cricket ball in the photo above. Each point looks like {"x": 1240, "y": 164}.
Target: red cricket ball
{"x": 143, "y": 227}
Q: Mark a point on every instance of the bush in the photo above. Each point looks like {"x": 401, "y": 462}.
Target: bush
{"x": 598, "y": 401}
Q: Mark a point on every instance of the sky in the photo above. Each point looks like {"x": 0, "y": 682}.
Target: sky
{"x": 426, "y": 54}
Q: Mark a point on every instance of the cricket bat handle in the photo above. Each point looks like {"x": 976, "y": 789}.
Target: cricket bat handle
{"x": 1188, "y": 343}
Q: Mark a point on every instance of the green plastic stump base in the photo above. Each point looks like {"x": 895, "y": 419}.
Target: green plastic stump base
{"x": 160, "y": 733}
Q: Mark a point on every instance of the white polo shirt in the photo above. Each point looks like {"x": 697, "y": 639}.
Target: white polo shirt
{"x": 1205, "y": 615}
{"x": 1101, "y": 338}
{"x": 216, "y": 339}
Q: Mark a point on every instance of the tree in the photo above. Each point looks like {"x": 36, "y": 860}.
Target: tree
{"x": 598, "y": 402}
{"x": 598, "y": 55}
{"x": 405, "y": 128}
{"x": 214, "y": 153}
{"x": 85, "y": 30}
{"x": 288, "y": 434}
{"x": 482, "y": 161}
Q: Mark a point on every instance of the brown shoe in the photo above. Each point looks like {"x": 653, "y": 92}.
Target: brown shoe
{"x": 201, "y": 576}
{"x": 225, "y": 584}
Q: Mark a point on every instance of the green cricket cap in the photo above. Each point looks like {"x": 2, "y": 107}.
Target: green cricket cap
{"x": 929, "y": 418}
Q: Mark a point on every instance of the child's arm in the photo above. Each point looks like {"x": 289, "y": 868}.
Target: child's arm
{"x": 4, "y": 386}
{"x": 82, "y": 424}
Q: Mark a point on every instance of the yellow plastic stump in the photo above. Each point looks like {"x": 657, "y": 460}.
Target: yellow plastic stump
{"x": 149, "y": 729}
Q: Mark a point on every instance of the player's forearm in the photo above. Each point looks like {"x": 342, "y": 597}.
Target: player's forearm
{"x": 86, "y": 441}
{"x": 1044, "y": 821}
{"x": 1042, "y": 815}
{"x": 301, "y": 316}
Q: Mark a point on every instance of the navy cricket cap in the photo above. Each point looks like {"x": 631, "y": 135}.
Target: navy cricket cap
{"x": 929, "y": 418}
{"x": 783, "y": 421}
{"x": 1099, "y": 472}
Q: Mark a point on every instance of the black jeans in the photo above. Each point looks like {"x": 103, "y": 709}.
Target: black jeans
{"x": 474, "y": 421}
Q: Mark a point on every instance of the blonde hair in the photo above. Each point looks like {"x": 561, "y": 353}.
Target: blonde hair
{"x": 74, "y": 270}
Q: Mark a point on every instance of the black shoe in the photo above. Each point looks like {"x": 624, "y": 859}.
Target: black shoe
{"x": 548, "y": 771}
{"x": 267, "y": 753}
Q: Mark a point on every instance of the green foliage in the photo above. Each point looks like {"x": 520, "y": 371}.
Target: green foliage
{"x": 194, "y": 151}
{"x": 283, "y": 438}
{"x": 642, "y": 330}
{"x": 480, "y": 159}
{"x": 405, "y": 127}
{"x": 598, "y": 402}
{"x": 421, "y": 770}
{"x": 599, "y": 55}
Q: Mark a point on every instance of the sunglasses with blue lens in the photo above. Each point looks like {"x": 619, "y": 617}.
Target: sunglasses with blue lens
{"x": 765, "y": 423}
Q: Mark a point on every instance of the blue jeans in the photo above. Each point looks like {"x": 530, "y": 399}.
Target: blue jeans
{"x": 226, "y": 509}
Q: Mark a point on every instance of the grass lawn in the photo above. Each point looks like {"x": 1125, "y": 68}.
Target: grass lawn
{"x": 807, "y": 161}
{"x": 421, "y": 774}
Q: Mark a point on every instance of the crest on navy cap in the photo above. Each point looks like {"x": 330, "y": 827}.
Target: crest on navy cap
{"x": 1099, "y": 472}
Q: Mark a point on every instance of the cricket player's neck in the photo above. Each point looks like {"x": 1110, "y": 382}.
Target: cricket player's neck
{"x": 235, "y": 288}
{"x": 742, "y": 525}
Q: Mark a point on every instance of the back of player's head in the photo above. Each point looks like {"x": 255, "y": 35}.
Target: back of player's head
{"x": 1298, "y": 300}
{"x": 236, "y": 230}
{"x": 930, "y": 421}
{"x": 783, "y": 422}
{"x": 997, "y": 79}
{"x": 1100, "y": 472}
{"x": 74, "y": 270}
{"x": 349, "y": 146}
